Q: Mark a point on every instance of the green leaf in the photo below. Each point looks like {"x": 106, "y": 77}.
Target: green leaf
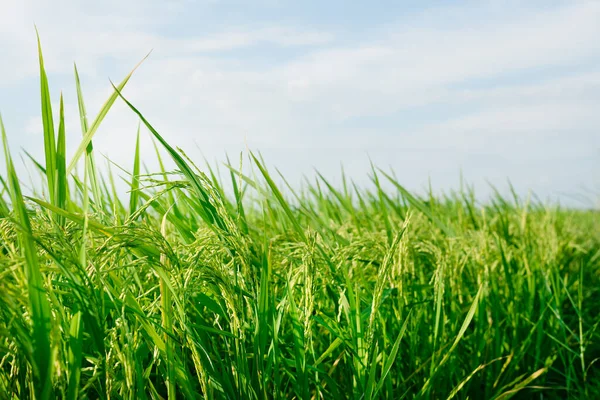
{"x": 421, "y": 206}
{"x": 89, "y": 151}
{"x": 61, "y": 173}
{"x": 207, "y": 211}
{"x": 87, "y": 139}
{"x": 391, "y": 358}
{"x": 286, "y": 208}
{"x": 39, "y": 305}
{"x": 135, "y": 182}
{"x": 458, "y": 337}
{"x": 75, "y": 355}
{"x": 48, "y": 124}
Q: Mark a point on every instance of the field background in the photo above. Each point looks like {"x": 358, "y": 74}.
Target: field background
{"x": 196, "y": 286}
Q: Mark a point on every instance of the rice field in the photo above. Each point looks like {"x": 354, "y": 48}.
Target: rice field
{"x": 235, "y": 285}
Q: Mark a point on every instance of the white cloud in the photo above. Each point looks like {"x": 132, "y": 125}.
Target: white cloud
{"x": 199, "y": 89}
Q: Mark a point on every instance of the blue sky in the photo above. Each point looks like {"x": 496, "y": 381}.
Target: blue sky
{"x": 496, "y": 89}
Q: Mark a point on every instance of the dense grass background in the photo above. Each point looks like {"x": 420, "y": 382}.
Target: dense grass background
{"x": 196, "y": 286}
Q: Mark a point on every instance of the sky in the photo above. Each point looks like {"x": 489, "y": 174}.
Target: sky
{"x": 493, "y": 91}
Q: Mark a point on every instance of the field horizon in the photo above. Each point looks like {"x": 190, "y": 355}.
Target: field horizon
{"x": 228, "y": 282}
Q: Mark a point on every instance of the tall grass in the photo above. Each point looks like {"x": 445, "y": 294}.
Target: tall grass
{"x": 201, "y": 288}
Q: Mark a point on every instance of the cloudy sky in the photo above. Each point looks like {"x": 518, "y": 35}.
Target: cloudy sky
{"x": 496, "y": 89}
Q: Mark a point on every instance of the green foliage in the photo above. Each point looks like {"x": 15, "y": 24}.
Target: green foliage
{"x": 326, "y": 292}
{"x": 39, "y": 352}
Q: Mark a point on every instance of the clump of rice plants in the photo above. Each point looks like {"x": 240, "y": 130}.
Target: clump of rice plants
{"x": 197, "y": 287}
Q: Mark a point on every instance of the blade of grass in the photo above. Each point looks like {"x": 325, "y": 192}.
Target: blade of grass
{"x": 35, "y": 162}
{"x": 48, "y": 124}
{"x": 100, "y": 117}
{"x": 61, "y": 173}
{"x": 459, "y": 336}
{"x": 275, "y": 190}
{"x": 89, "y": 150}
{"x": 75, "y": 356}
{"x": 208, "y": 211}
{"x": 167, "y": 310}
{"x": 391, "y": 358}
{"x": 135, "y": 182}
{"x": 40, "y": 307}
{"x": 420, "y": 205}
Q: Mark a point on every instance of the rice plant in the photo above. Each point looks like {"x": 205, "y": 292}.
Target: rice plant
{"x": 200, "y": 287}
